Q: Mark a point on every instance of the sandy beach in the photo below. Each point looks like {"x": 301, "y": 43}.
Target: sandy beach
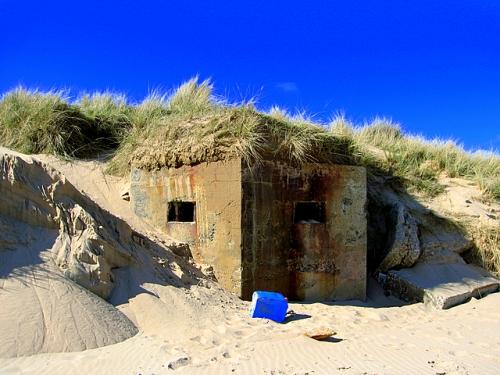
{"x": 187, "y": 332}
{"x": 153, "y": 325}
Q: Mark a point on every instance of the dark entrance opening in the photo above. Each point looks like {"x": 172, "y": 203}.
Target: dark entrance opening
{"x": 181, "y": 211}
{"x": 309, "y": 213}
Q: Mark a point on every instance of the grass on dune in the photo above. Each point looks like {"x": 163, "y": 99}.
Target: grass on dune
{"x": 35, "y": 122}
{"x": 420, "y": 162}
{"x": 46, "y": 122}
{"x": 191, "y": 126}
{"x": 108, "y": 112}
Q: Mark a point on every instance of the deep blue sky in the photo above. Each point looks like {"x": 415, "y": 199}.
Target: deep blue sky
{"x": 433, "y": 66}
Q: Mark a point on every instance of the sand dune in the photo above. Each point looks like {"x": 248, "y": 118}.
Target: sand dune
{"x": 374, "y": 340}
{"x": 187, "y": 324}
{"x": 41, "y": 310}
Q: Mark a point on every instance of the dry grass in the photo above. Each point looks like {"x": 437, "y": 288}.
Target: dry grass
{"x": 45, "y": 122}
{"x": 191, "y": 126}
{"x": 417, "y": 161}
{"x": 228, "y": 132}
{"x": 486, "y": 246}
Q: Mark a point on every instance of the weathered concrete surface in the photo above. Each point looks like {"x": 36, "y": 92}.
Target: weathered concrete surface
{"x": 404, "y": 244}
{"x": 441, "y": 285}
{"x": 402, "y": 231}
{"x": 215, "y": 236}
{"x": 441, "y": 239}
{"x": 245, "y": 225}
{"x": 305, "y": 261}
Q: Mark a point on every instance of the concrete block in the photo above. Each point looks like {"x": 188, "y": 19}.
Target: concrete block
{"x": 441, "y": 285}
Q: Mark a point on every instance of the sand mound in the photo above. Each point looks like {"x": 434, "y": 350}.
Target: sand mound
{"x": 43, "y": 311}
{"x": 51, "y": 249}
{"x": 55, "y": 242}
{"x": 60, "y": 251}
{"x": 90, "y": 178}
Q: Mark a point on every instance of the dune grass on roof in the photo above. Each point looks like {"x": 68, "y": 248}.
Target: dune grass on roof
{"x": 196, "y": 127}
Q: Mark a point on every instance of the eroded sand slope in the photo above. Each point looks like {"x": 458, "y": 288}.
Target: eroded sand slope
{"x": 47, "y": 253}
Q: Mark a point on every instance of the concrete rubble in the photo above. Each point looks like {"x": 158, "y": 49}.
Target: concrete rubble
{"x": 404, "y": 248}
{"x": 441, "y": 285}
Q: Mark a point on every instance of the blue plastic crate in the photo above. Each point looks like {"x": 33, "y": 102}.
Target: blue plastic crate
{"x": 269, "y": 305}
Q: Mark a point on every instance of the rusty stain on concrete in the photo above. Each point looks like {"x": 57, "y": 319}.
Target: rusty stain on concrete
{"x": 246, "y": 225}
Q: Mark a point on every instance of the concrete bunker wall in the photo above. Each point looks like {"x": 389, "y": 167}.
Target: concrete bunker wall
{"x": 298, "y": 230}
{"x": 214, "y": 192}
{"x": 322, "y": 257}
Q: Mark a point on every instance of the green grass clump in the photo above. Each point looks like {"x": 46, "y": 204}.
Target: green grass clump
{"x": 193, "y": 99}
{"x": 109, "y": 113}
{"x": 34, "y": 122}
{"x": 45, "y": 122}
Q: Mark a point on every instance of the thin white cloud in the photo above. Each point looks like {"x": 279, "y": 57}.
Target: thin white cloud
{"x": 287, "y": 86}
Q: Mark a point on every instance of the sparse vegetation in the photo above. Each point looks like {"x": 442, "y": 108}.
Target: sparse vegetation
{"x": 486, "y": 246}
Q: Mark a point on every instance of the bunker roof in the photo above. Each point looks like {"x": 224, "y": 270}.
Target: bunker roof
{"x": 237, "y": 132}
{"x": 196, "y": 128}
